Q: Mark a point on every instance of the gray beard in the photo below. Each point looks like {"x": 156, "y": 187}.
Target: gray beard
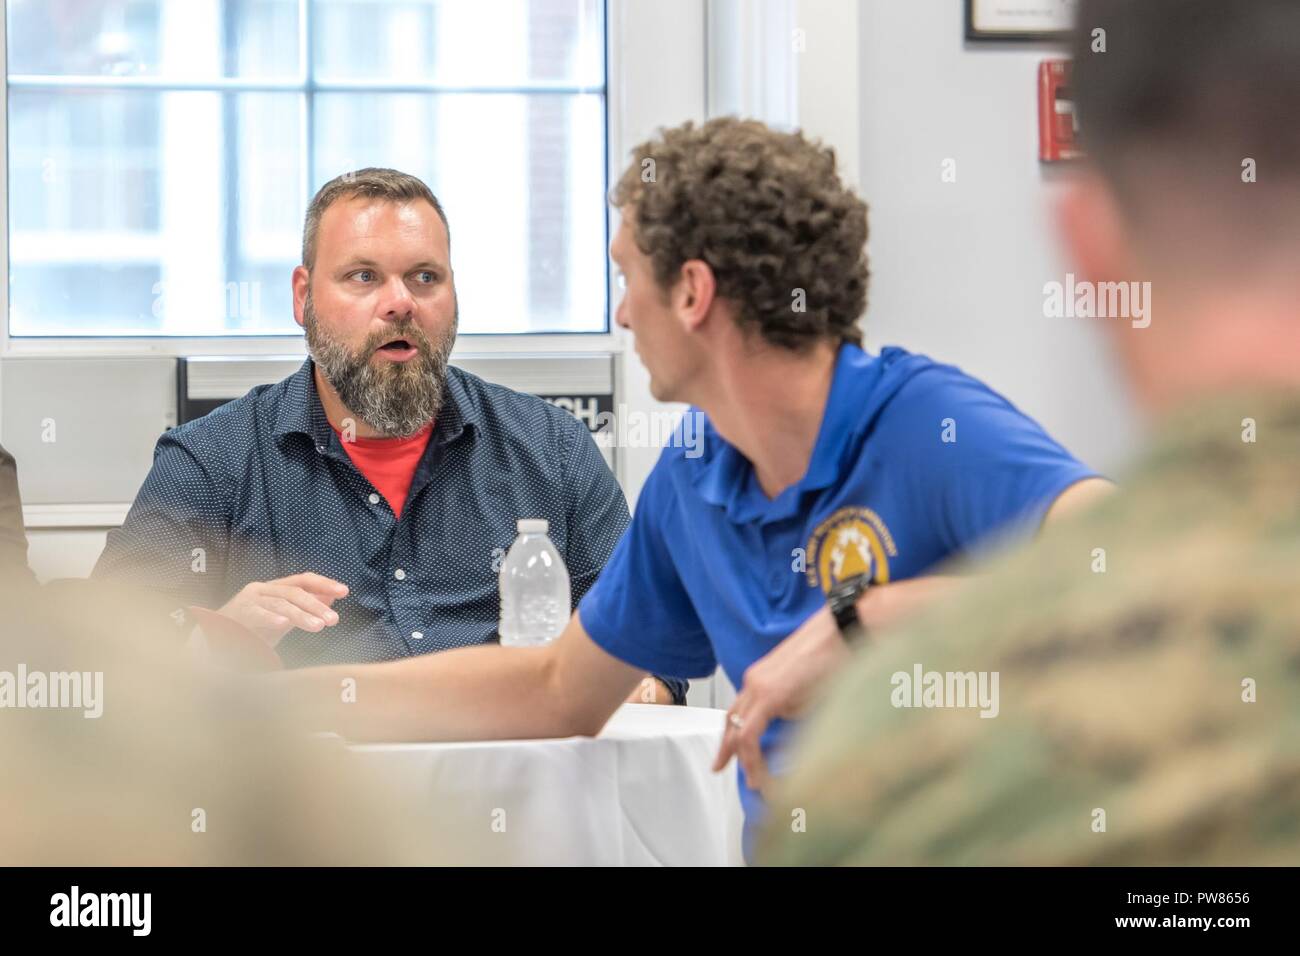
{"x": 395, "y": 399}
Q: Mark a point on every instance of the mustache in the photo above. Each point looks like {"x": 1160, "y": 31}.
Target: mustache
{"x": 407, "y": 330}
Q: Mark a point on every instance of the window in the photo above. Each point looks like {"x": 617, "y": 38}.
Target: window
{"x": 162, "y": 154}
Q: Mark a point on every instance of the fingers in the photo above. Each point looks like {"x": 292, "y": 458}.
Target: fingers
{"x": 319, "y": 614}
{"x": 299, "y": 608}
{"x": 745, "y": 742}
{"x": 728, "y": 748}
{"x": 268, "y": 620}
{"x": 327, "y": 589}
{"x": 295, "y": 615}
{"x": 297, "y": 601}
{"x": 750, "y": 753}
{"x": 731, "y": 734}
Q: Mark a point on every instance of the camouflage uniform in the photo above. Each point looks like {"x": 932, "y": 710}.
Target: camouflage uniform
{"x": 1120, "y": 690}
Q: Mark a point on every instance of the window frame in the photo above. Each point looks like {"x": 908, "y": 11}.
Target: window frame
{"x": 609, "y": 340}
{"x": 641, "y": 96}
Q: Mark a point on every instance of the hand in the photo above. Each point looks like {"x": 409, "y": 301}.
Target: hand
{"x": 781, "y": 684}
{"x": 271, "y": 609}
{"x": 651, "y": 690}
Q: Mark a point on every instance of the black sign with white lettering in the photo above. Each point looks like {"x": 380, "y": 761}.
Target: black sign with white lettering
{"x": 586, "y": 408}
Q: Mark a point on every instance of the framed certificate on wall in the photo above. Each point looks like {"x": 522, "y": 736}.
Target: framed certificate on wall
{"x": 1020, "y": 19}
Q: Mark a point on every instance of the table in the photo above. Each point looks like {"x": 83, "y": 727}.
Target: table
{"x": 640, "y": 793}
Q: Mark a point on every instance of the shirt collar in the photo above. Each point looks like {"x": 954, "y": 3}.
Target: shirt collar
{"x": 459, "y": 408}
{"x": 301, "y": 411}
{"x": 725, "y": 477}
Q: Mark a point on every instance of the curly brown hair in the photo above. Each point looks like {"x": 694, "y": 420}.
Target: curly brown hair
{"x": 768, "y": 213}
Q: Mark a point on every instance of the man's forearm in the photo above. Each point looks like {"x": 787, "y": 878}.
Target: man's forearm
{"x": 473, "y": 693}
{"x": 883, "y": 605}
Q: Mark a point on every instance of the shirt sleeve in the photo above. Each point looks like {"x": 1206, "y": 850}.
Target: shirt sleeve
{"x": 595, "y": 508}
{"x": 981, "y": 469}
{"x": 639, "y": 610}
{"x": 174, "y": 539}
{"x": 597, "y": 518}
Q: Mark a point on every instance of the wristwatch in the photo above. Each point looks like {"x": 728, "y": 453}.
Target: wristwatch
{"x": 843, "y": 602}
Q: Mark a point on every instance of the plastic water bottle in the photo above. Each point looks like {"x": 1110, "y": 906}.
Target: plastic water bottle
{"x": 534, "y": 589}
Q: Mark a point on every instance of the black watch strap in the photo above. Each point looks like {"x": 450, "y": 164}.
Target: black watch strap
{"x": 843, "y": 602}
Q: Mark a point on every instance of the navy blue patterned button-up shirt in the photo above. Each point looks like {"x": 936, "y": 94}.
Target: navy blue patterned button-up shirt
{"x": 262, "y": 488}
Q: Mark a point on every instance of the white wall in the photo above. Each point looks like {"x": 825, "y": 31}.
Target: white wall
{"x": 64, "y": 552}
{"x": 958, "y": 268}
{"x": 657, "y": 78}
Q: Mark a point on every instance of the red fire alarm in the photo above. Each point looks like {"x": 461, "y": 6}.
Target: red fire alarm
{"x": 1058, "y": 125}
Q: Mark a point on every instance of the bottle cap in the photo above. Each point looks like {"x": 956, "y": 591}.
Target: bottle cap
{"x": 533, "y": 525}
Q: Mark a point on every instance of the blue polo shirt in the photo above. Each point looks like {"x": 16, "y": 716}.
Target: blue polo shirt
{"x": 915, "y": 463}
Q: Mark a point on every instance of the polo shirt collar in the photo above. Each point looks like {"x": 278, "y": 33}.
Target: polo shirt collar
{"x": 724, "y": 477}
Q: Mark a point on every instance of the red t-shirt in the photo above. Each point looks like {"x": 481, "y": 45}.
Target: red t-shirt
{"x": 389, "y": 463}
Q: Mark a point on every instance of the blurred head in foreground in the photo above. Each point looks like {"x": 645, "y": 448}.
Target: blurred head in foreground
{"x": 1188, "y": 113}
{"x": 118, "y": 751}
{"x": 1126, "y": 690}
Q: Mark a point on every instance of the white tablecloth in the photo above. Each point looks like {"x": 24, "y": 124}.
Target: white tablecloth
{"x": 640, "y": 793}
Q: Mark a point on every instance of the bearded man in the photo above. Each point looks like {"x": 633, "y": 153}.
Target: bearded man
{"x": 358, "y": 509}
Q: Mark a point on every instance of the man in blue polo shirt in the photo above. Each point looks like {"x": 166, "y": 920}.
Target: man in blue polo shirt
{"x": 823, "y": 469}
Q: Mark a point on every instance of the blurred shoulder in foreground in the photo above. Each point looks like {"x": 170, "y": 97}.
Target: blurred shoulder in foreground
{"x": 1136, "y": 673}
{"x": 1146, "y": 706}
{"x": 119, "y": 750}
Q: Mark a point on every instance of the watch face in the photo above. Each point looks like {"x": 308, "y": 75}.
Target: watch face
{"x": 849, "y": 589}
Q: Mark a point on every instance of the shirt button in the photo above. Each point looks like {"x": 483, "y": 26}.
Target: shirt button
{"x": 321, "y": 449}
{"x": 374, "y": 498}
{"x": 416, "y": 635}
{"x": 399, "y": 574}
